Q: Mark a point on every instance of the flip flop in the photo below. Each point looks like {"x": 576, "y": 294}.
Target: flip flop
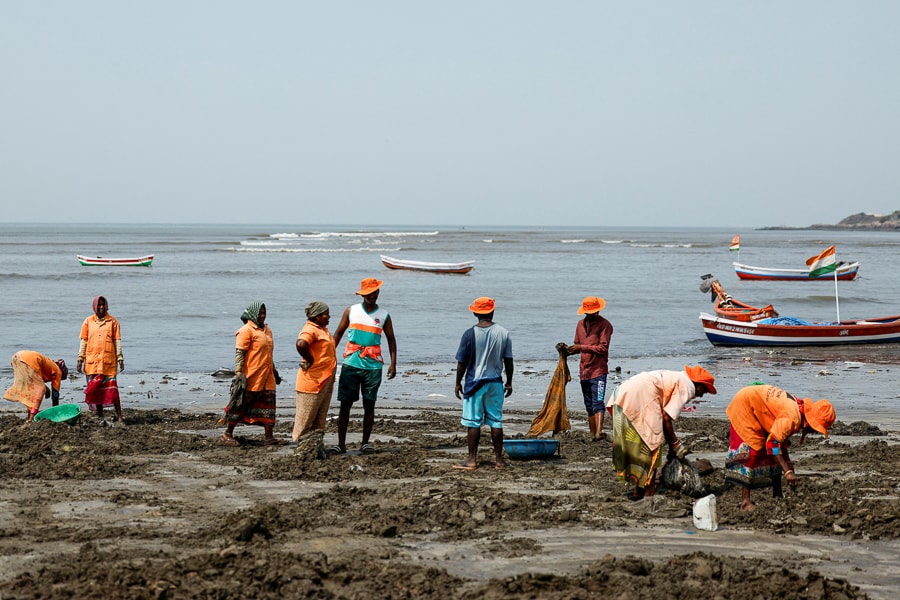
{"x": 275, "y": 442}
{"x": 367, "y": 449}
{"x": 464, "y": 467}
{"x": 335, "y": 450}
{"x": 229, "y": 441}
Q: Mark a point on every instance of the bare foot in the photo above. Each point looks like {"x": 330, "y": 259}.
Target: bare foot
{"x": 500, "y": 464}
{"x": 747, "y": 506}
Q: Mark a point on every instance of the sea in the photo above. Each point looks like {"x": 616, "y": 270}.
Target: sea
{"x": 179, "y": 316}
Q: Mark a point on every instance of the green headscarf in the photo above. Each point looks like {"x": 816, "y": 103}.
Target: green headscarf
{"x": 251, "y": 313}
{"x": 316, "y": 308}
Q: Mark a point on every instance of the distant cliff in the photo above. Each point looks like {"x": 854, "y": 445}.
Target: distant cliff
{"x": 866, "y": 221}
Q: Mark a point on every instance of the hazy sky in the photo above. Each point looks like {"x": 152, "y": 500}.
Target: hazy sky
{"x": 456, "y": 113}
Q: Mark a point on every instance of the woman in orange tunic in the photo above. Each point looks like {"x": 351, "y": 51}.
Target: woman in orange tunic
{"x": 100, "y": 357}
{"x": 763, "y": 418}
{"x": 315, "y": 378}
{"x": 31, "y": 370}
{"x": 253, "y": 360}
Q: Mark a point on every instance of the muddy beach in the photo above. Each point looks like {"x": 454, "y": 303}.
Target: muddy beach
{"x": 161, "y": 509}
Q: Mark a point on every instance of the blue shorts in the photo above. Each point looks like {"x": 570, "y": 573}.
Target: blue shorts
{"x": 594, "y": 392}
{"x": 484, "y": 406}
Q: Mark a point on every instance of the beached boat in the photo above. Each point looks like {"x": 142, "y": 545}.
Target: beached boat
{"x": 729, "y": 308}
{"x": 788, "y": 331}
{"x": 430, "y": 267}
{"x": 845, "y": 272}
{"x": 99, "y": 261}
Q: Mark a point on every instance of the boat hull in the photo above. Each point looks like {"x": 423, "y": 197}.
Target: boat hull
{"x": 845, "y": 272}
{"x": 727, "y": 332}
{"x": 99, "y": 261}
{"x": 428, "y": 267}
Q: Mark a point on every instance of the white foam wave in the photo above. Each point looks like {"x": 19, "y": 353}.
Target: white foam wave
{"x": 311, "y": 250}
{"x": 367, "y": 234}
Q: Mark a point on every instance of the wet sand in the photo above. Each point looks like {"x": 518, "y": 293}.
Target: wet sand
{"x": 161, "y": 509}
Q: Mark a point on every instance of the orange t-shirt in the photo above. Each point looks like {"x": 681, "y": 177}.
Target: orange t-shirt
{"x": 257, "y": 344}
{"x": 321, "y": 346}
{"x": 101, "y": 337}
{"x": 43, "y": 366}
{"x": 758, "y": 410}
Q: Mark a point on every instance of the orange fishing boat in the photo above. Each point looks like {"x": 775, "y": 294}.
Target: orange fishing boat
{"x": 729, "y": 308}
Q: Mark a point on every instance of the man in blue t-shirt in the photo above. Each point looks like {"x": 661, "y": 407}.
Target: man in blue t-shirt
{"x": 485, "y": 352}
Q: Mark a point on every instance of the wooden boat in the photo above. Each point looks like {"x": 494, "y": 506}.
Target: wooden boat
{"x": 99, "y": 261}
{"x": 430, "y": 267}
{"x": 845, "y": 272}
{"x": 787, "y": 331}
{"x": 729, "y": 308}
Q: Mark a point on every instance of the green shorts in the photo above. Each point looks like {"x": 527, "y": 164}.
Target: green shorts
{"x": 354, "y": 382}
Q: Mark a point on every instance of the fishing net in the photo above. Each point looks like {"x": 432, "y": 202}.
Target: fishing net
{"x": 554, "y": 415}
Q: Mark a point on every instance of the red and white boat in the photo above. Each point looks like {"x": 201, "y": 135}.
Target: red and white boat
{"x": 788, "y": 331}
{"x": 430, "y": 267}
{"x": 99, "y": 261}
{"x": 845, "y": 272}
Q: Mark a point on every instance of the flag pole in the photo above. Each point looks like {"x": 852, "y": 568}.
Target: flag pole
{"x": 837, "y": 304}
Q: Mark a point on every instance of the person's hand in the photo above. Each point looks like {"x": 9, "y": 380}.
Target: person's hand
{"x": 392, "y": 372}
{"x": 277, "y": 377}
{"x": 121, "y": 365}
{"x": 458, "y": 390}
{"x": 78, "y": 366}
{"x": 304, "y": 366}
{"x": 55, "y": 395}
{"x": 790, "y": 477}
{"x": 507, "y": 390}
{"x": 681, "y": 451}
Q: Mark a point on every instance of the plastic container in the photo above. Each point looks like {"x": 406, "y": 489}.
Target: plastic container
{"x": 705, "y": 513}
{"x": 64, "y": 413}
{"x": 530, "y": 449}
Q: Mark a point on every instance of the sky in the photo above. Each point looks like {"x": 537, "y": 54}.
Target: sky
{"x": 499, "y": 113}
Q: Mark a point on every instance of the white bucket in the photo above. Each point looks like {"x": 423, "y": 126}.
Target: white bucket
{"x": 705, "y": 513}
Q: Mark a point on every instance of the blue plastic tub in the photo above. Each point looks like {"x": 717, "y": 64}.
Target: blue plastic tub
{"x": 530, "y": 449}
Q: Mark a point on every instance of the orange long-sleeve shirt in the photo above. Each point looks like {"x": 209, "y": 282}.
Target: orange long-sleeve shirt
{"x": 759, "y": 410}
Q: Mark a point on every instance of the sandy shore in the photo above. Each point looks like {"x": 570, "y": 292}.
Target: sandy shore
{"x": 160, "y": 509}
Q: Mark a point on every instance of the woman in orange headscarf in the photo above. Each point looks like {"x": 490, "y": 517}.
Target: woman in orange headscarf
{"x": 100, "y": 357}
{"x": 31, "y": 371}
{"x": 644, "y": 408}
{"x": 763, "y": 418}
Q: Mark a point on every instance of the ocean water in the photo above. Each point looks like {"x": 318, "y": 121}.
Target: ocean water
{"x": 179, "y": 316}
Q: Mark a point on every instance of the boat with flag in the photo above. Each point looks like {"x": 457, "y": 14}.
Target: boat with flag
{"x": 790, "y": 331}
{"x": 99, "y": 261}
{"x": 460, "y": 268}
{"x": 845, "y": 272}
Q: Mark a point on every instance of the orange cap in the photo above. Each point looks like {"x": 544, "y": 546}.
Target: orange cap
{"x": 482, "y": 306}
{"x": 591, "y": 305}
{"x": 700, "y": 375}
{"x": 368, "y": 285}
{"x": 819, "y": 415}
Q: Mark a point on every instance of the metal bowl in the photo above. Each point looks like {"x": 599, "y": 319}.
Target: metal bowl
{"x": 530, "y": 449}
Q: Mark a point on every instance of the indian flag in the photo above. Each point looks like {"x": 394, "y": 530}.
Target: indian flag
{"x": 735, "y": 244}
{"x": 823, "y": 263}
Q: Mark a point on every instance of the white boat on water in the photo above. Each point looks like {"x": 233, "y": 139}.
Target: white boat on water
{"x": 845, "y": 272}
{"x": 430, "y": 267}
{"x": 99, "y": 261}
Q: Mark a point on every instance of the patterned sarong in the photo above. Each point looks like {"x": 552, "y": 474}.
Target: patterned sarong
{"x": 28, "y": 386}
{"x": 748, "y": 467}
{"x": 101, "y": 391}
{"x": 632, "y": 458}
{"x": 258, "y": 408}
